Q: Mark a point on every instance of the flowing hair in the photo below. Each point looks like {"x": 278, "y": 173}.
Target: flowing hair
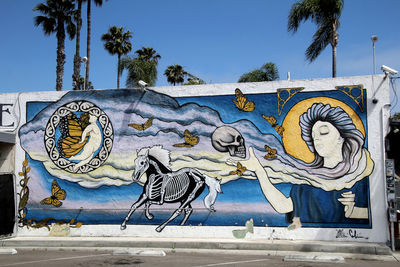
{"x": 352, "y": 145}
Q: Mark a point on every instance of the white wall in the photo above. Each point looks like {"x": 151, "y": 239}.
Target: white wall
{"x": 377, "y": 114}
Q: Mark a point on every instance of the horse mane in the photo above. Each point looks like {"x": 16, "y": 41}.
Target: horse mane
{"x": 158, "y": 152}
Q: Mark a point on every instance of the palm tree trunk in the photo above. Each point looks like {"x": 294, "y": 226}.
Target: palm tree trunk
{"x": 333, "y": 61}
{"x": 88, "y": 43}
{"x": 334, "y": 43}
{"x": 119, "y": 59}
{"x": 60, "y": 55}
{"x": 77, "y": 58}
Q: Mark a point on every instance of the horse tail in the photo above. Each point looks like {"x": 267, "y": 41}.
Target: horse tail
{"x": 214, "y": 187}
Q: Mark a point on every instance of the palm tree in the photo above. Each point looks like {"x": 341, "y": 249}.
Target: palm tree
{"x": 77, "y": 58}
{"x": 117, "y": 42}
{"x": 139, "y": 69}
{"x": 57, "y": 18}
{"x": 142, "y": 67}
{"x": 81, "y": 84}
{"x": 193, "y": 80}
{"x": 175, "y": 74}
{"x": 267, "y": 72}
{"x": 324, "y": 13}
{"x": 89, "y": 29}
{"x": 148, "y": 54}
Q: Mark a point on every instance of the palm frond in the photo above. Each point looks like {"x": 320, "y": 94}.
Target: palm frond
{"x": 300, "y": 12}
{"x": 321, "y": 39}
{"x": 139, "y": 70}
{"x": 71, "y": 27}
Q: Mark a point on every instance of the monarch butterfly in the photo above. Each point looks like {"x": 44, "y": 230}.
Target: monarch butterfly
{"x": 240, "y": 169}
{"x": 279, "y": 129}
{"x": 71, "y": 128}
{"x": 57, "y": 194}
{"x": 241, "y": 101}
{"x": 271, "y": 152}
{"x": 272, "y": 120}
{"x": 143, "y": 126}
{"x": 190, "y": 140}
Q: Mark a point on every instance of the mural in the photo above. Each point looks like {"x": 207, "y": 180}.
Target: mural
{"x": 286, "y": 159}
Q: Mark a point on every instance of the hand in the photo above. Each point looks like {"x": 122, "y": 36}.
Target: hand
{"x": 348, "y": 201}
{"x": 251, "y": 163}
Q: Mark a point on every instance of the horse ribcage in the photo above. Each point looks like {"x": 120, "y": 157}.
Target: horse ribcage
{"x": 154, "y": 188}
{"x": 176, "y": 186}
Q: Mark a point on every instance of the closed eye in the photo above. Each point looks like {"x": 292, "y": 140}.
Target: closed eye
{"x": 324, "y": 130}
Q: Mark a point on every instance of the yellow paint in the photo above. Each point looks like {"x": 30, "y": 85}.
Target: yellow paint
{"x": 292, "y": 141}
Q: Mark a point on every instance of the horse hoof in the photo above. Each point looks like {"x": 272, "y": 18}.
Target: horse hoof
{"x": 123, "y": 227}
{"x": 150, "y": 216}
{"x": 159, "y": 229}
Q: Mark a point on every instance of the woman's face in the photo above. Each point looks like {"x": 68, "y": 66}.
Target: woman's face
{"x": 327, "y": 139}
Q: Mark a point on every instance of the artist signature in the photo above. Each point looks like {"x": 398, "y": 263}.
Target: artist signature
{"x": 342, "y": 233}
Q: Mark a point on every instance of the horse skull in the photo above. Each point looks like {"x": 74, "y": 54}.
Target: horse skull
{"x": 228, "y": 139}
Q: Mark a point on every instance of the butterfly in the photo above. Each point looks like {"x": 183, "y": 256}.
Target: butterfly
{"x": 71, "y": 128}
{"x": 143, "y": 126}
{"x": 272, "y": 120}
{"x": 190, "y": 140}
{"x": 271, "y": 152}
{"x": 279, "y": 129}
{"x": 241, "y": 102}
{"x": 240, "y": 169}
{"x": 57, "y": 194}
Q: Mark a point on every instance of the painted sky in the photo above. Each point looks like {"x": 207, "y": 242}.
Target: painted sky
{"x": 215, "y": 40}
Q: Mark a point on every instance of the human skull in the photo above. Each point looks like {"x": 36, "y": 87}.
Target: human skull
{"x": 228, "y": 139}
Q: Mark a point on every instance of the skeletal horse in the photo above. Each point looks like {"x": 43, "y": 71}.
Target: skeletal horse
{"x": 164, "y": 185}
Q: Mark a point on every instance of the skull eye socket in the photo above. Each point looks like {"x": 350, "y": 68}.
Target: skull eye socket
{"x": 238, "y": 138}
{"x": 141, "y": 163}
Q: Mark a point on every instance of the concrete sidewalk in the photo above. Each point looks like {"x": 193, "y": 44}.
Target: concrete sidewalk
{"x": 198, "y": 244}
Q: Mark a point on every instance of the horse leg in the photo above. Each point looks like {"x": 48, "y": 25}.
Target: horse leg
{"x": 137, "y": 204}
{"x": 177, "y": 212}
{"x": 147, "y": 212}
{"x": 188, "y": 211}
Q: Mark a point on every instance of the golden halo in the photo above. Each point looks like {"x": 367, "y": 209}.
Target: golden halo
{"x": 292, "y": 141}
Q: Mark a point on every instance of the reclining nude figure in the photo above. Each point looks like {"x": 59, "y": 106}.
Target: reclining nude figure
{"x": 323, "y": 191}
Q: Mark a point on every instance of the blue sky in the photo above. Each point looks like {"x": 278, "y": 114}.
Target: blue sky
{"x": 216, "y": 40}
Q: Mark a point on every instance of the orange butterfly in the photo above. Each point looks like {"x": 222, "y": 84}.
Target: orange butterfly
{"x": 241, "y": 101}
{"x": 143, "y": 126}
{"x": 240, "y": 169}
{"x": 71, "y": 128}
{"x": 271, "y": 152}
{"x": 190, "y": 140}
{"x": 57, "y": 194}
{"x": 272, "y": 120}
{"x": 279, "y": 129}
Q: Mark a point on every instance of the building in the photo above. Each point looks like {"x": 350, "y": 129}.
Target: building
{"x": 298, "y": 160}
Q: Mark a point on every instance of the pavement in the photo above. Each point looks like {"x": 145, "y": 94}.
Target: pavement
{"x": 305, "y": 249}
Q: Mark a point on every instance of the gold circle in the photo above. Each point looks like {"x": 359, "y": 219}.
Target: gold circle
{"x": 292, "y": 141}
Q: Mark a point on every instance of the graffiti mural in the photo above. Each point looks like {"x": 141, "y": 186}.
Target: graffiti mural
{"x": 286, "y": 159}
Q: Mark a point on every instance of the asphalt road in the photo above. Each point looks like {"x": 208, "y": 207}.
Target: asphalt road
{"x": 63, "y": 258}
